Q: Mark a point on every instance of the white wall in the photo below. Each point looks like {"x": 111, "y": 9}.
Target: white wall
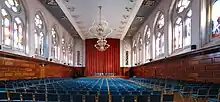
{"x": 33, "y": 6}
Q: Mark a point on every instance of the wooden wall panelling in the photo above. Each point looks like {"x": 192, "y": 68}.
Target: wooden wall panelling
{"x": 14, "y": 67}
{"x": 202, "y": 65}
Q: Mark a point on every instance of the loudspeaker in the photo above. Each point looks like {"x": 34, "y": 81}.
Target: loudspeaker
{"x": 130, "y": 73}
{"x": 193, "y": 47}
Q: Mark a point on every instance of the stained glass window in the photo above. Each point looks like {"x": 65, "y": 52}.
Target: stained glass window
{"x": 159, "y": 37}
{"x": 177, "y": 36}
{"x": 182, "y": 5}
{"x": 13, "y": 24}
{"x": 18, "y": 34}
{"x": 64, "y": 49}
{"x": 140, "y": 50}
{"x": 181, "y": 23}
{"x": 70, "y": 57}
{"x": 187, "y": 36}
{"x": 70, "y": 51}
{"x": 134, "y": 53}
{"x": 215, "y": 18}
{"x": 54, "y": 43}
{"x": 39, "y": 34}
{"x": 6, "y": 28}
{"x": 13, "y": 5}
{"x": 147, "y": 43}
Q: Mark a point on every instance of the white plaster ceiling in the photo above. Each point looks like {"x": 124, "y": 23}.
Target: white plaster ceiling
{"x": 118, "y": 13}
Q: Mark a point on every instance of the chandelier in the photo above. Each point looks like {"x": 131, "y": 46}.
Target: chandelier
{"x": 102, "y": 45}
{"x": 100, "y": 30}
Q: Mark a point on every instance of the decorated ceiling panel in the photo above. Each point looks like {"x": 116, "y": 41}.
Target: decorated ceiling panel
{"x": 124, "y": 17}
{"x": 118, "y": 13}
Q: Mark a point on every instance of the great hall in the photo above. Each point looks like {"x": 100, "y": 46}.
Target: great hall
{"x": 110, "y": 51}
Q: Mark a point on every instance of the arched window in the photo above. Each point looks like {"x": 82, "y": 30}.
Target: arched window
{"x": 215, "y": 18}
{"x": 63, "y": 44}
{"x": 159, "y": 35}
{"x": 6, "y": 31}
{"x": 140, "y": 43}
{"x": 39, "y": 34}
{"x": 147, "y": 38}
{"x": 134, "y": 53}
{"x": 187, "y": 36}
{"x": 70, "y": 52}
{"x": 181, "y": 23}
{"x": 55, "y": 43}
{"x": 13, "y": 24}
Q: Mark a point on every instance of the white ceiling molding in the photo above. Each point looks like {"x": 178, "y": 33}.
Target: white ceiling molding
{"x": 131, "y": 18}
{"x": 69, "y": 16}
{"x": 118, "y": 13}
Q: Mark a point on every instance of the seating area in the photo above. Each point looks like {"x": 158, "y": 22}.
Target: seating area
{"x": 79, "y": 90}
{"x": 106, "y": 90}
{"x": 195, "y": 90}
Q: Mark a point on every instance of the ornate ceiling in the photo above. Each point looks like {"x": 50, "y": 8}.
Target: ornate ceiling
{"x": 145, "y": 10}
{"x": 60, "y": 16}
{"x": 124, "y": 16}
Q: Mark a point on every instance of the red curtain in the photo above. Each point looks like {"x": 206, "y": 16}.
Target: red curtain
{"x": 102, "y": 62}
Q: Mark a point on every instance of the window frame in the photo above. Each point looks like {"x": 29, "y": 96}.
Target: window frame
{"x": 22, "y": 15}
{"x": 209, "y": 32}
{"x": 159, "y": 30}
{"x": 37, "y": 31}
{"x": 183, "y": 15}
{"x": 55, "y": 46}
{"x": 146, "y": 40}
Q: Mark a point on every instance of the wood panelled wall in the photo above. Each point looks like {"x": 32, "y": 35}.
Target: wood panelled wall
{"x": 102, "y": 62}
{"x": 201, "y": 65}
{"x": 11, "y": 69}
{"x": 14, "y": 67}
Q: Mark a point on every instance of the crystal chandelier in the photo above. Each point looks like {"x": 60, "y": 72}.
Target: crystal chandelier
{"x": 100, "y": 30}
{"x": 102, "y": 45}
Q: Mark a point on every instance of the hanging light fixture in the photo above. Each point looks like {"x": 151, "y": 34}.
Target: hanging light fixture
{"x": 102, "y": 45}
{"x": 100, "y": 27}
{"x": 100, "y": 30}
{"x": 52, "y": 3}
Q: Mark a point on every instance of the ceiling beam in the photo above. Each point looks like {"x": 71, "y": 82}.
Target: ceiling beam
{"x": 69, "y": 16}
{"x": 132, "y": 16}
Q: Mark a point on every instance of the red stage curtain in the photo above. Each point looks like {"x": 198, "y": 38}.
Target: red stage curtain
{"x": 102, "y": 62}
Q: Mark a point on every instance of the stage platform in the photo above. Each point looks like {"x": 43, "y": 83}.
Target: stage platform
{"x": 125, "y": 77}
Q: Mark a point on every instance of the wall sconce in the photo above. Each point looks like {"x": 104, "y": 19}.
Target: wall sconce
{"x": 43, "y": 64}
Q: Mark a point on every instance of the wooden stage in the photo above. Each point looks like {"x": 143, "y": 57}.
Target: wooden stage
{"x": 125, "y": 77}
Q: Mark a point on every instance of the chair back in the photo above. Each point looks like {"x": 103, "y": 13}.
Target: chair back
{"x": 168, "y": 97}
